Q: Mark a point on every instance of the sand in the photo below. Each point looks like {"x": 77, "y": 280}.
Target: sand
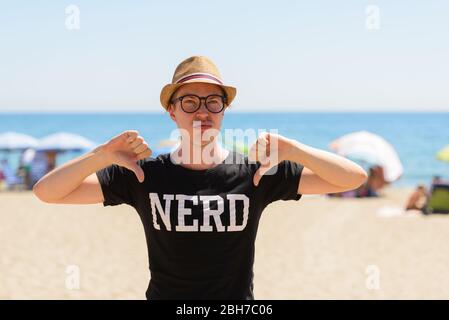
{"x": 316, "y": 248}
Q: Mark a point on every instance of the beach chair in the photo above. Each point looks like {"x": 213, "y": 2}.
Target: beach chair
{"x": 439, "y": 199}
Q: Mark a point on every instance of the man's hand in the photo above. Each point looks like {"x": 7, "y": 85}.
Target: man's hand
{"x": 269, "y": 149}
{"x": 125, "y": 150}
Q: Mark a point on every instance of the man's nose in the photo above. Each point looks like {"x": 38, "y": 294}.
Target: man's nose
{"x": 202, "y": 110}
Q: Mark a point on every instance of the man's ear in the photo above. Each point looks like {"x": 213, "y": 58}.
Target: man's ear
{"x": 170, "y": 110}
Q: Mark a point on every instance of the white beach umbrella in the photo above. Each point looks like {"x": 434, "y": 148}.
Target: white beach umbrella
{"x": 10, "y": 141}
{"x": 64, "y": 141}
{"x": 371, "y": 148}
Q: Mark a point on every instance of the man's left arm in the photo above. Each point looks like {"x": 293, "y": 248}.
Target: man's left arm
{"x": 323, "y": 172}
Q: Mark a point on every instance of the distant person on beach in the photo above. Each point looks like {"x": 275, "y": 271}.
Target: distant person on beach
{"x": 38, "y": 167}
{"x": 200, "y": 205}
{"x": 51, "y": 160}
{"x": 12, "y": 178}
{"x": 2, "y": 177}
{"x": 418, "y": 198}
{"x": 371, "y": 188}
{"x": 435, "y": 180}
{"x": 375, "y": 183}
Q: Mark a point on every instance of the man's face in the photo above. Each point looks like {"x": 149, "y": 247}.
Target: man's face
{"x": 186, "y": 121}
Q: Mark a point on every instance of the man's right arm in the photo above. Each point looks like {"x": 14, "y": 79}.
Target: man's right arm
{"x": 75, "y": 182}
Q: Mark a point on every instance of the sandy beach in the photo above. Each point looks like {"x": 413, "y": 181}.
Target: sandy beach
{"x": 321, "y": 249}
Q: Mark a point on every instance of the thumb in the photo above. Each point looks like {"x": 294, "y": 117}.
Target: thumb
{"x": 139, "y": 173}
{"x": 134, "y": 167}
{"x": 259, "y": 174}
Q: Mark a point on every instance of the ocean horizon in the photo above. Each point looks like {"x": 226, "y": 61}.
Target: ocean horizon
{"x": 416, "y": 136}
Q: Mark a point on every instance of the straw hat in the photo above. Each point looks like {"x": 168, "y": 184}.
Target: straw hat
{"x": 195, "y": 69}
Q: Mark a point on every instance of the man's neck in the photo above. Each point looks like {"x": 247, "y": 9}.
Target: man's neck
{"x": 197, "y": 157}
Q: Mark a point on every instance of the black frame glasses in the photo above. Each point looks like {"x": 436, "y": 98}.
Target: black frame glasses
{"x": 222, "y": 97}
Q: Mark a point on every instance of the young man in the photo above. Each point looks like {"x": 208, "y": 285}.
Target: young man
{"x": 200, "y": 205}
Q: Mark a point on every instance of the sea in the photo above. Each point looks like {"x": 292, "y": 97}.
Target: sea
{"x": 417, "y": 137}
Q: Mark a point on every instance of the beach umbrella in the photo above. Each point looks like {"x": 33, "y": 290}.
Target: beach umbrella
{"x": 370, "y": 148}
{"x": 443, "y": 154}
{"x": 10, "y": 141}
{"x": 64, "y": 141}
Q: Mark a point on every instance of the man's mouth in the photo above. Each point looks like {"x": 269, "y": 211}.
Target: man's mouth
{"x": 202, "y": 125}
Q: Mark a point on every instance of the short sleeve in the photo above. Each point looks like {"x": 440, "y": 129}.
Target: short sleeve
{"x": 118, "y": 185}
{"x": 281, "y": 182}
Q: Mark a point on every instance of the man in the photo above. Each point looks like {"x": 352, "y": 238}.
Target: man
{"x": 200, "y": 205}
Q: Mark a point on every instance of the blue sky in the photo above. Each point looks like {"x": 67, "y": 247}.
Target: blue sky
{"x": 281, "y": 55}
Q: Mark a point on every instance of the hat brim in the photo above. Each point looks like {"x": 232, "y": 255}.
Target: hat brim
{"x": 168, "y": 90}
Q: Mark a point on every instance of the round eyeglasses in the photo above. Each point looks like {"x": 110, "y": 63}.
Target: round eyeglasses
{"x": 191, "y": 102}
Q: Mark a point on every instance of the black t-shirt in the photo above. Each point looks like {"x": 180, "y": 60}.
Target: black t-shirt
{"x": 200, "y": 225}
